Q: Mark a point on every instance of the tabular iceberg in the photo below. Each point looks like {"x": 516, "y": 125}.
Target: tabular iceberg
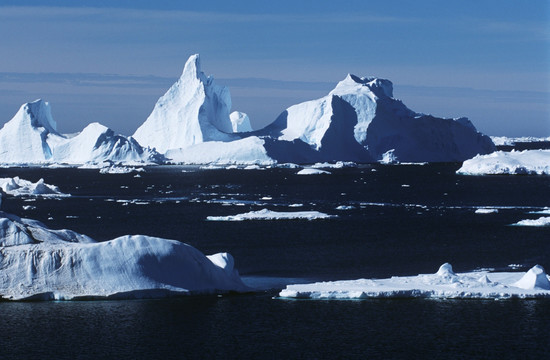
{"x": 31, "y": 137}
{"x": 44, "y": 264}
{"x": 514, "y": 162}
{"x": 442, "y": 285}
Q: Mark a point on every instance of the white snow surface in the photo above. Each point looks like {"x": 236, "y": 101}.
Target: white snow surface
{"x": 44, "y": 264}
{"x": 514, "y": 162}
{"x": 30, "y": 137}
{"x": 503, "y": 140}
{"x": 21, "y": 187}
{"x": 445, "y": 284}
{"x": 240, "y": 122}
{"x": 194, "y": 110}
{"x": 245, "y": 151}
{"x": 266, "y": 214}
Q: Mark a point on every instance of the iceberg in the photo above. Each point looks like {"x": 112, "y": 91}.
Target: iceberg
{"x": 359, "y": 120}
{"x": 541, "y": 221}
{"x": 31, "y": 137}
{"x": 194, "y": 110}
{"x": 37, "y": 263}
{"x": 511, "y": 163}
{"x": 445, "y": 284}
{"x": 266, "y": 214}
{"x": 312, "y": 171}
{"x": 21, "y": 187}
{"x": 240, "y": 122}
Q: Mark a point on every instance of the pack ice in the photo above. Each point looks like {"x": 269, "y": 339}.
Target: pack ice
{"x": 444, "y": 284}
{"x": 43, "y": 264}
{"x": 31, "y": 137}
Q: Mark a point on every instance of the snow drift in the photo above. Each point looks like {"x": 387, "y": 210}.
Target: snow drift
{"x": 441, "y": 285}
{"x": 44, "y": 264}
{"x": 31, "y": 137}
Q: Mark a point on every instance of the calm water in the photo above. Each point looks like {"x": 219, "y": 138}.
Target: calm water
{"x": 405, "y": 220}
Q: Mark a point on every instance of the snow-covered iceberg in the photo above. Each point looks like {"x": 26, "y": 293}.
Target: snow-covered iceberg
{"x": 514, "y": 162}
{"x": 31, "y": 137}
{"x": 21, "y": 187}
{"x": 44, "y": 264}
{"x": 445, "y": 284}
{"x": 359, "y": 120}
{"x": 194, "y": 110}
{"x": 266, "y": 214}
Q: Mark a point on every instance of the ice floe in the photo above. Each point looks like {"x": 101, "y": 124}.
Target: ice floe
{"x": 486, "y": 211}
{"x": 542, "y": 221}
{"x": 43, "y": 264}
{"x": 266, "y": 214}
{"x": 311, "y": 171}
{"x": 445, "y": 284}
{"x": 514, "y": 162}
{"x": 21, "y": 187}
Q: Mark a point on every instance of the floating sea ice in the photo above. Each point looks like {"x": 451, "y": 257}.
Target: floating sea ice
{"x": 486, "y": 211}
{"x": 266, "y": 214}
{"x": 345, "y": 207}
{"x": 21, "y": 187}
{"x": 443, "y": 284}
{"x": 311, "y": 171}
{"x": 542, "y": 221}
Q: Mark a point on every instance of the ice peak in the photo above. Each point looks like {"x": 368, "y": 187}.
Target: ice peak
{"x": 380, "y": 87}
{"x": 192, "y": 67}
{"x": 39, "y": 114}
{"x": 446, "y": 270}
{"x": 535, "y": 278}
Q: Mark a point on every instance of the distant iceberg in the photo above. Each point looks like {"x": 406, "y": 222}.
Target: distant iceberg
{"x": 31, "y": 137}
{"x": 266, "y": 214}
{"x": 445, "y": 284}
{"x": 514, "y": 162}
{"x": 42, "y": 264}
{"x": 358, "y": 121}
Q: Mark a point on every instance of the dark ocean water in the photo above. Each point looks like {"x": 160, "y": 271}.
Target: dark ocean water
{"x": 404, "y": 220}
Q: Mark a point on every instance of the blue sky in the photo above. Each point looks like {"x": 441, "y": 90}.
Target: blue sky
{"x": 109, "y": 61}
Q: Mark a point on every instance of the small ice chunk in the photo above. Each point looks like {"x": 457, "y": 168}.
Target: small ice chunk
{"x": 311, "y": 171}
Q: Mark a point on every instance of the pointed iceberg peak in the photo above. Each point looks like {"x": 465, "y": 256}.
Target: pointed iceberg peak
{"x": 192, "y": 69}
{"x": 380, "y": 87}
{"x": 39, "y": 114}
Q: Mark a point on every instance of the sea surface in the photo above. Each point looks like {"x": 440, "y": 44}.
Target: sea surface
{"x": 391, "y": 220}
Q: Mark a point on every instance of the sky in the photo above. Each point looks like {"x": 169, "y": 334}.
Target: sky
{"x": 110, "y": 61}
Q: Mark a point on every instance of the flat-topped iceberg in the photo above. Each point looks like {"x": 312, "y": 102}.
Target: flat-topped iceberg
{"x": 43, "y": 264}
{"x": 445, "y": 284}
{"x": 266, "y": 214}
{"x": 511, "y": 163}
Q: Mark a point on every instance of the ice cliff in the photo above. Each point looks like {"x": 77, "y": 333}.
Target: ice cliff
{"x": 31, "y": 137}
{"x": 43, "y": 264}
